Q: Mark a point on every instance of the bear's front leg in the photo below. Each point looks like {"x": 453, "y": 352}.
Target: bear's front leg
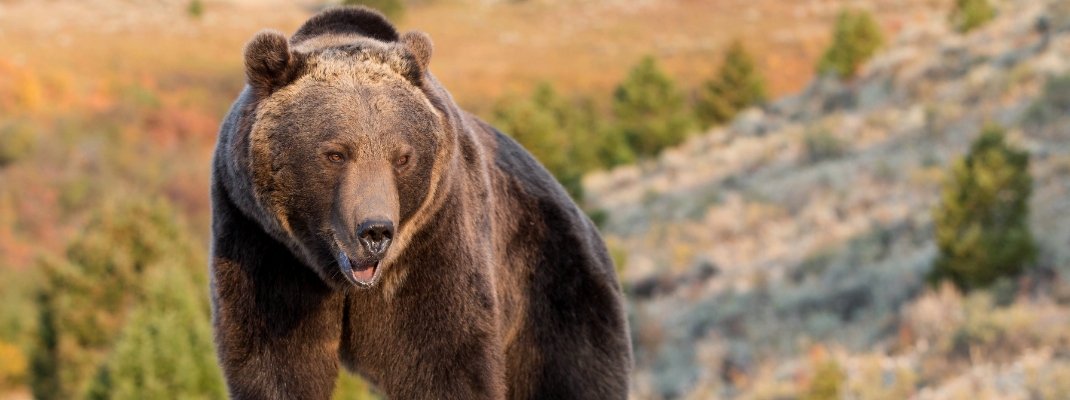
{"x": 277, "y": 325}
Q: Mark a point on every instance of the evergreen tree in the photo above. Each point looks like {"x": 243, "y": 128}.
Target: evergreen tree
{"x": 982, "y": 227}
{"x": 565, "y": 136}
{"x": 971, "y": 14}
{"x": 737, "y": 85}
{"x": 393, "y": 9}
{"x": 165, "y": 350}
{"x": 855, "y": 38}
{"x": 649, "y": 110}
{"x": 86, "y": 297}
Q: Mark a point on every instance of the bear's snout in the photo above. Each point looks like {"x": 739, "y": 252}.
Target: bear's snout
{"x": 375, "y": 236}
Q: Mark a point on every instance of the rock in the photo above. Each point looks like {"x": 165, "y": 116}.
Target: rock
{"x": 875, "y": 92}
{"x": 750, "y": 122}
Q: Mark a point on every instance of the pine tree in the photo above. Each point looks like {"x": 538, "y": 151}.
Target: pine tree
{"x": 971, "y": 14}
{"x": 982, "y": 227}
{"x": 87, "y": 296}
{"x": 393, "y": 9}
{"x": 165, "y": 350}
{"x": 565, "y": 136}
{"x": 855, "y": 38}
{"x": 737, "y": 85}
{"x": 649, "y": 110}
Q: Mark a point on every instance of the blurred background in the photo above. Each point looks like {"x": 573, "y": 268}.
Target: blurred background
{"x": 805, "y": 199}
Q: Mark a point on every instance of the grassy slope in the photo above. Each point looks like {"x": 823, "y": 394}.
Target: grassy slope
{"x": 122, "y": 99}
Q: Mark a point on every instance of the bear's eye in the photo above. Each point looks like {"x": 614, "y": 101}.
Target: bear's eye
{"x": 335, "y": 157}
{"x": 402, "y": 160}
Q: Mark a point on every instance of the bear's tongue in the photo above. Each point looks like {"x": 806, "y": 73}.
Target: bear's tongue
{"x": 361, "y": 271}
{"x": 364, "y": 272}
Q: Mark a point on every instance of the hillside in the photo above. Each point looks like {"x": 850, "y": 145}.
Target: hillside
{"x": 801, "y": 233}
{"x": 755, "y": 256}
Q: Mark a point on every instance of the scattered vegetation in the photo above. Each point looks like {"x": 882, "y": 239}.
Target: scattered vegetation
{"x": 855, "y": 38}
{"x": 565, "y": 136}
{"x": 16, "y": 141}
{"x": 737, "y": 85}
{"x": 971, "y": 14}
{"x": 349, "y": 387}
{"x": 165, "y": 349}
{"x": 13, "y": 366}
{"x": 827, "y": 382}
{"x": 571, "y": 138}
{"x": 982, "y": 222}
{"x": 821, "y": 145}
{"x": 1051, "y": 107}
{"x": 87, "y": 299}
{"x": 195, "y": 9}
{"x": 650, "y": 111}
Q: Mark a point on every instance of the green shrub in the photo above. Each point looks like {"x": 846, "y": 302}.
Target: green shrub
{"x": 737, "y": 85}
{"x": 971, "y": 14}
{"x": 86, "y": 297}
{"x": 823, "y": 145}
{"x": 195, "y": 9}
{"x": 1052, "y": 106}
{"x": 650, "y": 112}
{"x": 16, "y": 142}
{"x": 349, "y": 387}
{"x": 13, "y": 366}
{"x": 982, "y": 222}
{"x": 393, "y": 9}
{"x": 855, "y": 38}
{"x": 827, "y": 383}
{"x": 565, "y": 136}
{"x": 165, "y": 350}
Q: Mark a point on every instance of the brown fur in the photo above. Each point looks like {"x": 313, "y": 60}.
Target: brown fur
{"x": 493, "y": 284}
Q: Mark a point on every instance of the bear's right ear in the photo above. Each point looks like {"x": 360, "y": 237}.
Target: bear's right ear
{"x": 268, "y": 61}
{"x": 420, "y": 46}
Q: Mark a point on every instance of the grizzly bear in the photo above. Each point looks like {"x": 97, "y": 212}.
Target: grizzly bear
{"x": 360, "y": 218}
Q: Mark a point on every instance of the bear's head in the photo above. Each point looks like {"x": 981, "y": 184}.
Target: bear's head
{"x": 345, "y": 133}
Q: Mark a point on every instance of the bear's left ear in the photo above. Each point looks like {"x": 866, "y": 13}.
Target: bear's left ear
{"x": 419, "y": 44}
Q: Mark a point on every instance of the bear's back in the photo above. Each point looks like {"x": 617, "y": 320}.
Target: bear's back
{"x": 564, "y": 297}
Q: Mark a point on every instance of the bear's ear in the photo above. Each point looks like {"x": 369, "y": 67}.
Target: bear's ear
{"x": 268, "y": 61}
{"x": 419, "y": 44}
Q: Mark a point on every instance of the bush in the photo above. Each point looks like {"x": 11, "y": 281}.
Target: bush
{"x": 86, "y": 297}
{"x": 195, "y": 9}
{"x": 982, "y": 223}
{"x": 971, "y": 14}
{"x": 165, "y": 350}
{"x": 16, "y": 142}
{"x": 565, "y": 136}
{"x": 822, "y": 145}
{"x": 649, "y": 111}
{"x": 827, "y": 383}
{"x": 349, "y": 387}
{"x": 393, "y": 9}
{"x": 855, "y": 38}
{"x": 1051, "y": 107}
{"x": 13, "y": 366}
{"x": 737, "y": 85}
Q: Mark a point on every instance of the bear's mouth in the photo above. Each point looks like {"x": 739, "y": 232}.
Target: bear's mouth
{"x": 360, "y": 272}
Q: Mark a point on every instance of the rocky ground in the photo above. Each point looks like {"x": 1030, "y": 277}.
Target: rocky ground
{"x": 802, "y": 231}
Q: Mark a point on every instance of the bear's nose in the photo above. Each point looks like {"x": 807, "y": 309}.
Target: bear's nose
{"x": 375, "y": 235}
